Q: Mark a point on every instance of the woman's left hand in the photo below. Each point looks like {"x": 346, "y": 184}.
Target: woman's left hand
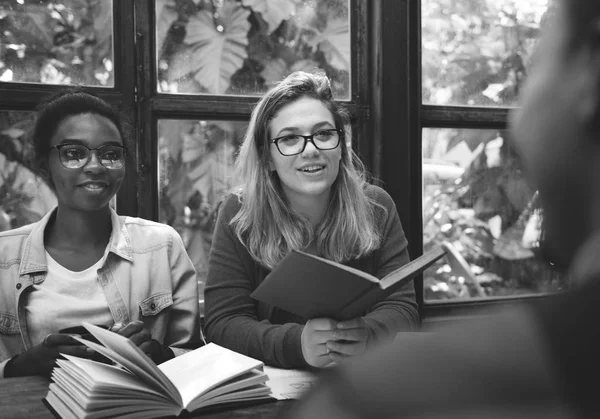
{"x": 351, "y": 338}
{"x": 138, "y": 334}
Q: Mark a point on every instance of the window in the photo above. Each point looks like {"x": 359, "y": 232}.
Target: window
{"x": 475, "y": 58}
{"x": 186, "y": 75}
{"x": 446, "y": 77}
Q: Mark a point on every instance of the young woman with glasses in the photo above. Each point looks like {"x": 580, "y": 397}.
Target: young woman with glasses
{"x": 83, "y": 262}
{"x": 301, "y": 187}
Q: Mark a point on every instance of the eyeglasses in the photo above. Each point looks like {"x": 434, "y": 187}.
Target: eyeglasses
{"x": 75, "y": 156}
{"x": 289, "y": 145}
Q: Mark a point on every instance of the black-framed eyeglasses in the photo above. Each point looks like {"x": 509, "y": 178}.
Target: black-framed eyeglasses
{"x": 75, "y": 156}
{"x": 325, "y": 139}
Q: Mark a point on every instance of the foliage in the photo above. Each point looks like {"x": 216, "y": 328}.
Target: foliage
{"x": 244, "y": 46}
{"x": 464, "y": 210}
{"x": 477, "y": 52}
{"x": 56, "y": 42}
{"x": 24, "y": 197}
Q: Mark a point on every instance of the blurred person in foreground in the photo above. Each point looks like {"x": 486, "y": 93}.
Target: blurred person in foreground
{"x": 535, "y": 360}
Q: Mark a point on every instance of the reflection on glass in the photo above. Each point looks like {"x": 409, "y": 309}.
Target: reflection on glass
{"x": 478, "y": 203}
{"x": 24, "y": 197}
{"x": 244, "y": 47}
{"x": 57, "y": 42}
{"x": 478, "y": 53}
{"x": 195, "y": 173}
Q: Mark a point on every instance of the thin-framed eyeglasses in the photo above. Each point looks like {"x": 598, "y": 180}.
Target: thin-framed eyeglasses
{"x": 325, "y": 139}
{"x": 75, "y": 156}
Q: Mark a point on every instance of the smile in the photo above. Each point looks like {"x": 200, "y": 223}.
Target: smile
{"x": 94, "y": 186}
{"x": 312, "y": 169}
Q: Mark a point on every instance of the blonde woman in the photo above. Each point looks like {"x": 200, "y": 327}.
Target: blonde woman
{"x": 302, "y": 187}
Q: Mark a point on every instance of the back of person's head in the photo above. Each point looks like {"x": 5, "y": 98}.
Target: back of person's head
{"x": 59, "y": 106}
{"x": 557, "y": 128}
{"x": 580, "y": 14}
{"x": 267, "y": 217}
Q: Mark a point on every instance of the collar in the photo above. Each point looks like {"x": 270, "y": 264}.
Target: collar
{"x": 33, "y": 257}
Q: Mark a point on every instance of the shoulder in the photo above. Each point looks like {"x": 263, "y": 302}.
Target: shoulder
{"x": 230, "y": 206}
{"x": 11, "y": 241}
{"x": 378, "y": 195}
{"x": 148, "y": 232}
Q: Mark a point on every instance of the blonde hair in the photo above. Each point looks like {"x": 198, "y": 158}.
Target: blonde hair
{"x": 265, "y": 223}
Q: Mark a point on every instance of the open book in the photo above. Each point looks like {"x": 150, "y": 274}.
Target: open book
{"x": 311, "y": 286}
{"x": 135, "y": 387}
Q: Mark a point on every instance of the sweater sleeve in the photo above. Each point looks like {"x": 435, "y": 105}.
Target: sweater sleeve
{"x": 398, "y": 312}
{"x": 231, "y": 318}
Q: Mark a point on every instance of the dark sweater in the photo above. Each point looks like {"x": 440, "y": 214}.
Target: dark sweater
{"x": 234, "y": 320}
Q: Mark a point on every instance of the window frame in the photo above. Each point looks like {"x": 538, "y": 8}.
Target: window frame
{"x": 401, "y": 115}
{"x": 152, "y": 105}
{"x": 26, "y": 96}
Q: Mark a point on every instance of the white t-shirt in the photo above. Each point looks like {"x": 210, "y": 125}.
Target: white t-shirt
{"x": 64, "y": 299}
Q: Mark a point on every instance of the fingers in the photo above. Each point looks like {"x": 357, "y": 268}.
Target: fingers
{"x": 80, "y": 351}
{"x": 136, "y": 332}
{"x": 116, "y": 327}
{"x": 130, "y": 328}
{"x": 337, "y": 358}
{"x": 352, "y": 335}
{"x": 59, "y": 339}
{"x": 315, "y": 334}
{"x": 356, "y": 323}
{"x": 321, "y": 324}
{"x": 346, "y": 349}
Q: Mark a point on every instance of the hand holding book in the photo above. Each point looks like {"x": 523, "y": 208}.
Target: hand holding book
{"x": 325, "y": 341}
{"x": 313, "y": 287}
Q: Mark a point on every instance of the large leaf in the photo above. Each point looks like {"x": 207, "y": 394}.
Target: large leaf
{"x": 272, "y": 11}
{"x": 277, "y": 69}
{"x": 334, "y": 42}
{"x": 214, "y": 55}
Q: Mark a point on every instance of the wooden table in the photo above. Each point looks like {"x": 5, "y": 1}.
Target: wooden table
{"x": 21, "y": 398}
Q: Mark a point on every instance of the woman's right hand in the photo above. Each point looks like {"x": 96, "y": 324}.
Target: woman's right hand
{"x": 314, "y": 339}
{"x": 41, "y": 359}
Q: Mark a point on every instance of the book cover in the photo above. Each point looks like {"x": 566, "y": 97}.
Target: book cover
{"x": 311, "y": 286}
{"x": 136, "y": 387}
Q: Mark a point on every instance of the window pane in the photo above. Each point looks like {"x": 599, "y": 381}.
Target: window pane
{"x": 477, "y": 52}
{"x": 24, "y": 197}
{"x": 57, "y": 42}
{"x": 244, "y": 47}
{"x": 476, "y": 198}
{"x": 195, "y": 171}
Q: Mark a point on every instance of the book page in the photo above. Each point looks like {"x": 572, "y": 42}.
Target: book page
{"x": 123, "y": 351}
{"x": 94, "y": 376}
{"x": 289, "y": 384}
{"x": 200, "y": 370}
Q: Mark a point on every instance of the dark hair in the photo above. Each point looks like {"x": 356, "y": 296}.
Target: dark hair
{"x": 579, "y": 14}
{"x": 53, "y": 110}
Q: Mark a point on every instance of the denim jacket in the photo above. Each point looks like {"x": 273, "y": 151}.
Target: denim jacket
{"x": 147, "y": 275}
